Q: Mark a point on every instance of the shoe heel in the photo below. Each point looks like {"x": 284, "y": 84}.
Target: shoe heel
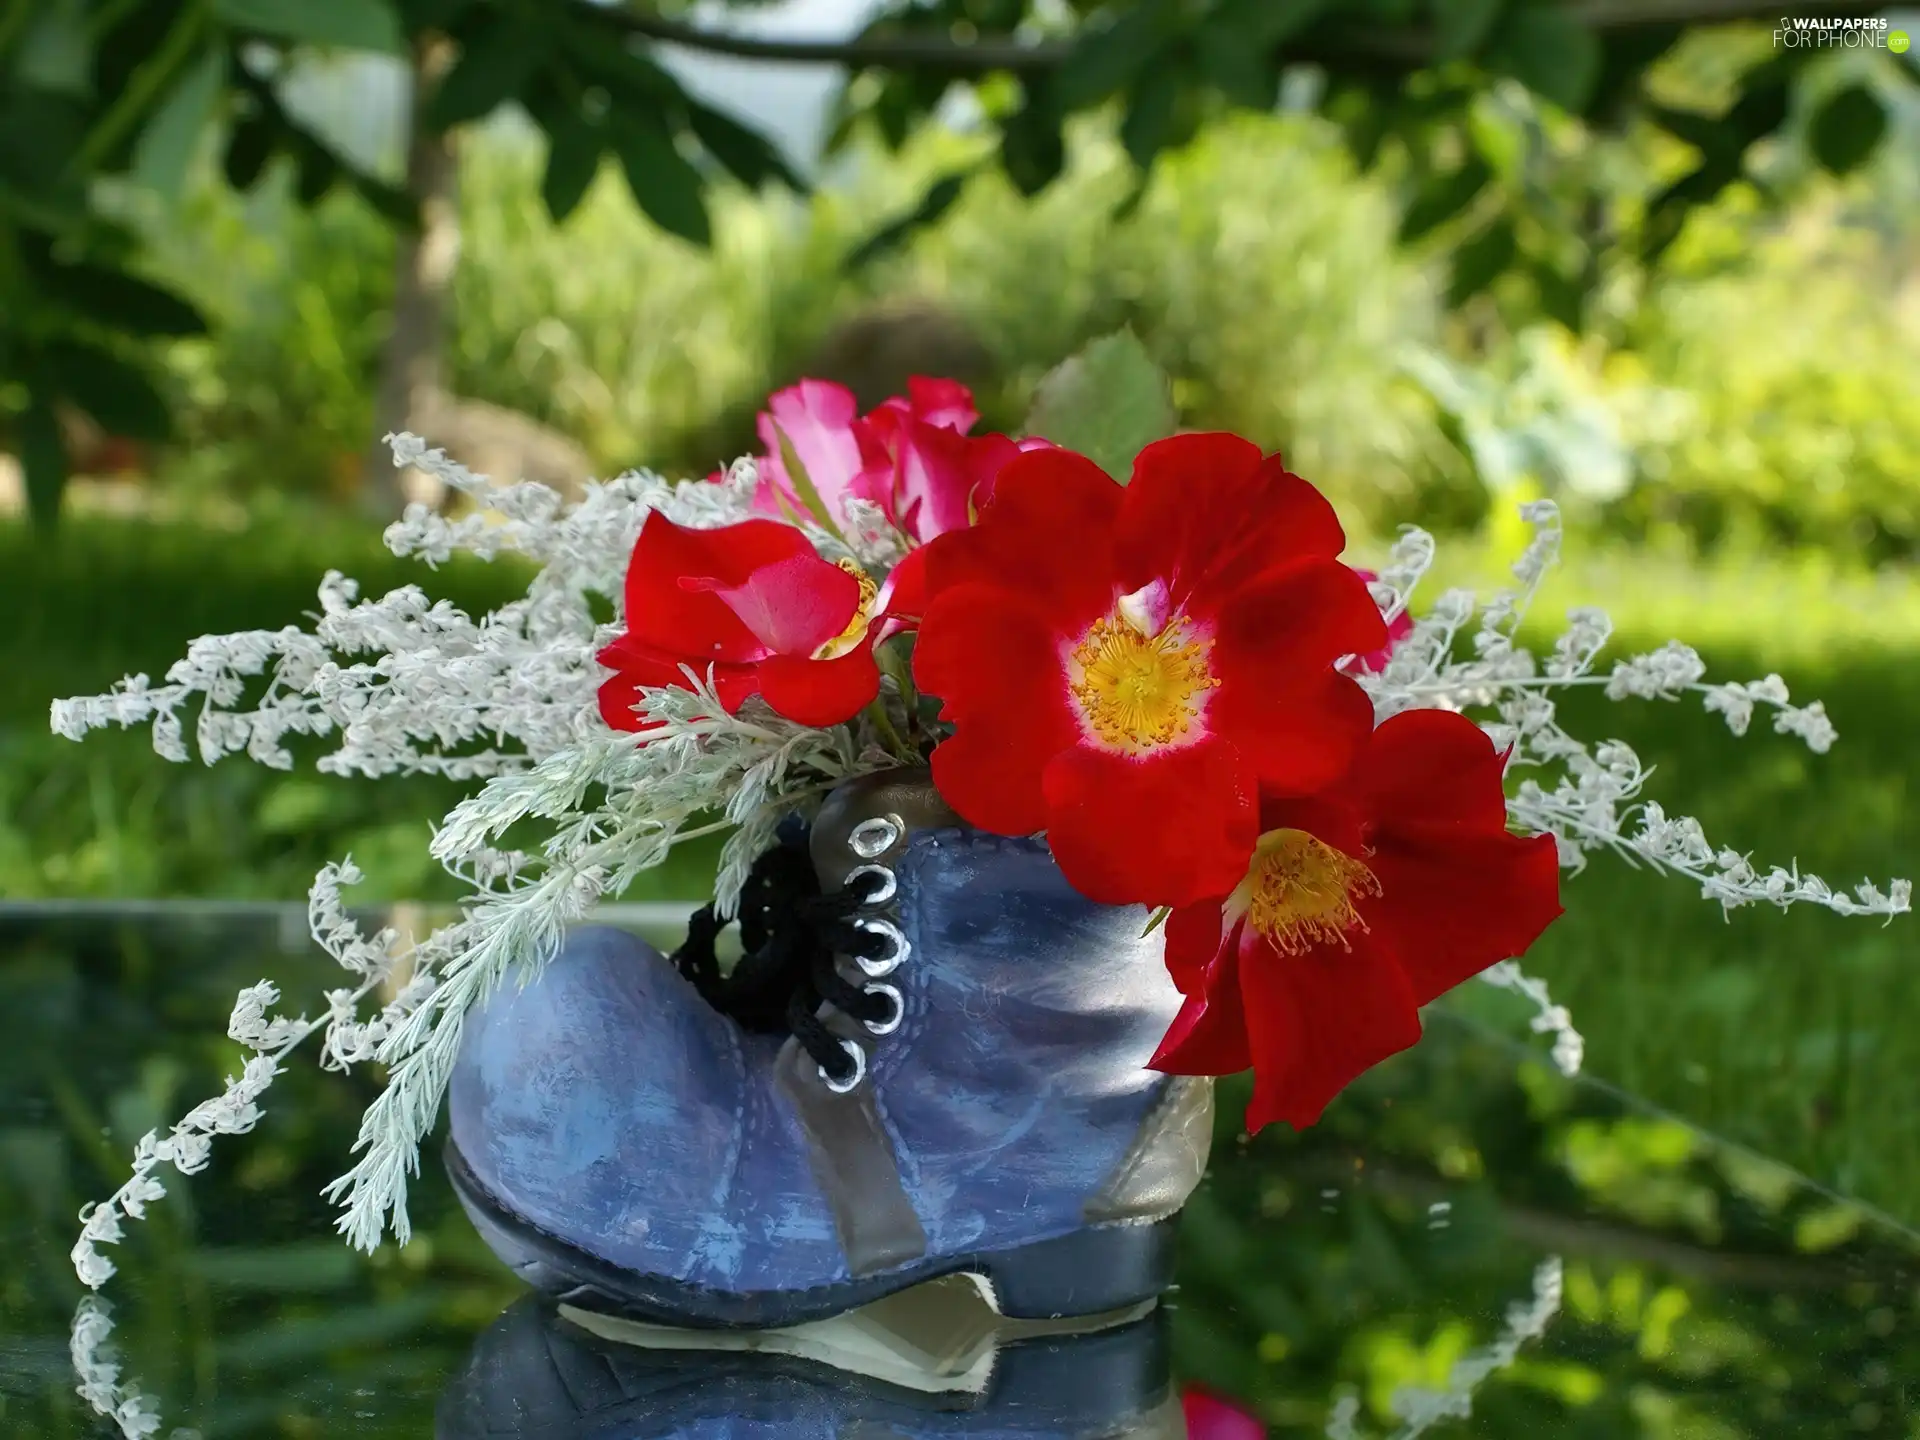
{"x": 1102, "y": 1268}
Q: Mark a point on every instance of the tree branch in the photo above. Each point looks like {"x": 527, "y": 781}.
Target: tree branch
{"x": 1408, "y": 48}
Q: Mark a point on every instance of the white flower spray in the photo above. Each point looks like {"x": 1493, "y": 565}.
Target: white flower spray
{"x": 408, "y": 686}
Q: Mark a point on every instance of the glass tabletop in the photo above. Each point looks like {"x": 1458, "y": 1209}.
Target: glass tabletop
{"x": 1468, "y": 1244}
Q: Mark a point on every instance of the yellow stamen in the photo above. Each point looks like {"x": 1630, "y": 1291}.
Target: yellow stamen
{"x": 856, "y": 630}
{"x": 1139, "y": 692}
{"x": 1301, "y": 892}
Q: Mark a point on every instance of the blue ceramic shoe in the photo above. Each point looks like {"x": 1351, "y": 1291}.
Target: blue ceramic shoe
{"x": 956, "y": 1082}
{"x": 535, "y": 1376}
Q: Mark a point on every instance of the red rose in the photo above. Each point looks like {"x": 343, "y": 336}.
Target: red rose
{"x": 757, "y": 604}
{"x": 1125, "y": 668}
{"x": 1363, "y": 903}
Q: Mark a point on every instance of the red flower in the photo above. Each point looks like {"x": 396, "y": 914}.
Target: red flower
{"x": 1125, "y": 668}
{"x": 1398, "y": 629}
{"x": 911, "y": 456}
{"x": 1363, "y": 903}
{"x": 757, "y": 604}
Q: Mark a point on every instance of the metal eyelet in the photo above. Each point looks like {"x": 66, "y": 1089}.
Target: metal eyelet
{"x": 841, "y": 1087}
{"x": 888, "y": 885}
{"x": 892, "y": 1022}
{"x": 886, "y": 964}
{"x": 873, "y": 837}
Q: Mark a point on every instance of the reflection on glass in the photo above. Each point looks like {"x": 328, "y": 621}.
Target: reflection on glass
{"x": 932, "y": 1362}
{"x": 1380, "y": 1276}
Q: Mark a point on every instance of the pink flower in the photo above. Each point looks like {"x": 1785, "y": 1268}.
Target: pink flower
{"x": 1398, "y": 629}
{"x": 1211, "y": 1418}
{"x": 911, "y": 456}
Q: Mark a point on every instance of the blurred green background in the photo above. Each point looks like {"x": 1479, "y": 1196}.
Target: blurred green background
{"x": 1678, "y": 291}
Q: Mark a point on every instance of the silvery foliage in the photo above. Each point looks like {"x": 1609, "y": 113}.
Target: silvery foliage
{"x": 1420, "y": 1408}
{"x": 407, "y": 686}
{"x": 1587, "y": 796}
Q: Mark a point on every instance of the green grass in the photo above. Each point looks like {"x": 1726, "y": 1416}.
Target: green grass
{"x": 109, "y": 817}
{"x": 1795, "y": 1033}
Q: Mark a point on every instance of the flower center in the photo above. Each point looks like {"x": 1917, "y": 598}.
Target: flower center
{"x": 856, "y": 630}
{"x": 1140, "y": 690}
{"x": 1301, "y": 892}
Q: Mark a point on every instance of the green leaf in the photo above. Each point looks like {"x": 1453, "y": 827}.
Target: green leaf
{"x": 1481, "y": 260}
{"x": 1238, "y": 66}
{"x": 803, "y": 482}
{"x": 495, "y": 65}
{"x": 249, "y": 148}
{"x": 665, "y": 186}
{"x": 1267, "y": 23}
{"x": 353, "y": 24}
{"x": 1561, "y": 298}
{"x": 574, "y": 147}
{"x": 1550, "y": 52}
{"x": 1443, "y": 197}
{"x": 1461, "y": 26}
{"x": 1105, "y": 61}
{"x": 1033, "y": 148}
{"x": 1148, "y": 128}
{"x": 318, "y": 171}
{"x": 120, "y": 397}
{"x": 389, "y": 201}
{"x": 1706, "y": 133}
{"x": 43, "y": 461}
{"x": 57, "y": 53}
{"x": 936, "y": 202}
{"x": 118, "y": 301}
{"x": 1847, "y": 129}
{"x": 749, "y": 156}
{"x": 1108, "y": 403}
{"x": 165, "y": 149}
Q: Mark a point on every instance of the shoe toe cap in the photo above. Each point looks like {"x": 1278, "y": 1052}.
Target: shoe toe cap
{"x": 601, "y": 1101}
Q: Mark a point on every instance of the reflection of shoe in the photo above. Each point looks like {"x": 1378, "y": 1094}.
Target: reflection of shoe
{"x": 538, "y": 1375}
{"x": 972, "y": 1097}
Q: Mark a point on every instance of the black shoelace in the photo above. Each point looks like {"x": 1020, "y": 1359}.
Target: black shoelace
{"x": 789, "y": 935}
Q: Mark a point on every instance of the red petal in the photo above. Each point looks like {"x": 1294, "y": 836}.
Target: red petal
{"x": 1297, "y": 619}
{"x": 946, "y": 403}
{"x": 1279, "y": 700}
{"x": 1432, "y": 766}
{"x": 1300, "y": 740}
{"x": 636, "y": 667}
{"x": 820, "y": 692}
{"x": 995, "y": 664}
{"x": 903, "y": 598}
{"x": 1209, "y": 1035}
{"x": 1194, "y": 933}
{"x": 1207, "y": 514}
{"x": 793, "y": 606}
{"x": 1168, "y": 828}
{"x": 666, "y": 616}
{"x": 1452, "y": 903}
{"x": 1047, "y": 531}
{"x": 1317, "y": 1022}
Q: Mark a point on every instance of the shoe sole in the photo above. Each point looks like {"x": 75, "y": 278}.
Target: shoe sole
{"x": 1094, "y": 1271}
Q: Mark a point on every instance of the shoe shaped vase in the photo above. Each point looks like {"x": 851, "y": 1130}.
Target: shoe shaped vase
{"x": 971, "y": 1097}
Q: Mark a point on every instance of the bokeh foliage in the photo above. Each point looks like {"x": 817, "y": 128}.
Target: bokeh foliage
{"x": 101, "y": 91}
